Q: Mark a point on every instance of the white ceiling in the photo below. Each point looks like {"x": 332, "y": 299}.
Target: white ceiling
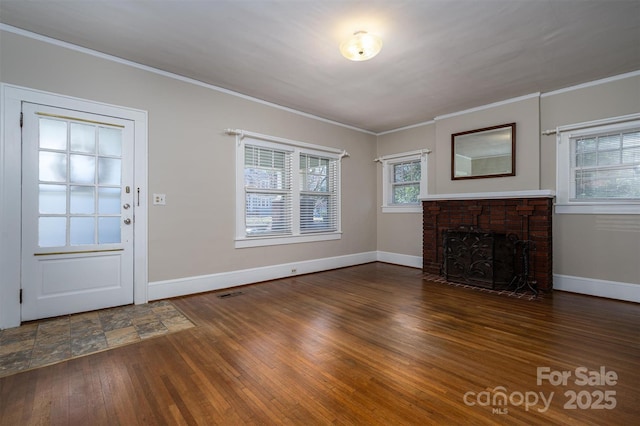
{"x": 438, "y": 56}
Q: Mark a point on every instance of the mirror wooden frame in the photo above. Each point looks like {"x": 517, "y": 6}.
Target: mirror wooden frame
{"x": 490, "y": 150}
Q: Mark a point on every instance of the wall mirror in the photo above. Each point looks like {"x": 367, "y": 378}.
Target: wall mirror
{"x": 484, "y": 153}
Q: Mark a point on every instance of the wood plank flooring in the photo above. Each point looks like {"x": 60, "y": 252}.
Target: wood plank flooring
{"x": 365, "y": 345}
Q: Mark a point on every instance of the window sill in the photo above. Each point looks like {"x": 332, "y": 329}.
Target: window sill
{"x": 414, "y": 208}
{"x": 289, "y": 239}
{"x": 598, "y": 208}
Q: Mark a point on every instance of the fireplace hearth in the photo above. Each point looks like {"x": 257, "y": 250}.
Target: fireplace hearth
{"x": 517, "y": 229}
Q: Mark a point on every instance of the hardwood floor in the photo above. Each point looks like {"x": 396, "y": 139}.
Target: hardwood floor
{"x": 371, "y": 344}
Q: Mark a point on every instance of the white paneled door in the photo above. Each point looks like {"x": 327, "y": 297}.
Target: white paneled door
{"x": 77, "y": 211}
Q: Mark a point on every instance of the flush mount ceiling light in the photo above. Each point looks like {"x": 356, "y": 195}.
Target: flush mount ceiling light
{"x": 361, "y": 46}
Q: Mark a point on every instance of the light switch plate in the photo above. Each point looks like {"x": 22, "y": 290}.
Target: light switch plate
{"x": 159, "y": 199}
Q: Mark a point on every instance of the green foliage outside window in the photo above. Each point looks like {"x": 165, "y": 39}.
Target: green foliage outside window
{"x": 406, "y": 182}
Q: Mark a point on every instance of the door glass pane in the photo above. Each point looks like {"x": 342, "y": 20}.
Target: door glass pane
{"x": 80, "y": 174}
{"x": 110, "y": 141}
{"x": 109, "y": 171}
{"x": 82, "y": 169}
{"x": 109, "y": 200}
{"x": 52, "y": 231}
{"x": 83, "y": 138}
{"x": 82, "y": 200}
{"x": 108, "y": 230}
{"x": 53, "y": 134}
{"x": 52, "y": 167}
{"x": 52, "y": 199}
{"x": 82, "y": 230}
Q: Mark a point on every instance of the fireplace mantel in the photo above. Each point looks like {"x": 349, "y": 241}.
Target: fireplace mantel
{"x": 542, "y": 193}
{"x": 526, "y": 215}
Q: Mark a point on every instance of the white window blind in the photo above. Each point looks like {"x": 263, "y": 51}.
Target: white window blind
{"x": 599, "y": 167}
{"x": 286, "y": 191}
{"x": 318, "y": 194}
{"x": 606, "y": 166}
{"x": 267, "y": 182}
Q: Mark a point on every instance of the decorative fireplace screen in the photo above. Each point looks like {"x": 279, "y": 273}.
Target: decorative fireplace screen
{"x": 473, "y": 256}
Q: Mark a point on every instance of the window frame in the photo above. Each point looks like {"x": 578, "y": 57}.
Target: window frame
{"x": 331, "y": 193}
{"x": 388, "y": 162}
{"x": 295, "y": 149}
{"x": 565, "y": 203}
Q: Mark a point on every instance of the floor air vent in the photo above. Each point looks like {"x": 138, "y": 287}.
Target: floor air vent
{"x": 232, "y": 294}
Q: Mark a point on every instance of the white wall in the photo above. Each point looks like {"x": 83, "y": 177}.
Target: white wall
{"x": 191, "y": 160}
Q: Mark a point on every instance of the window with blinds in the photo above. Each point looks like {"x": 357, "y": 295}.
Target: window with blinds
{"x": 267, "y": 182}
{"x": 286, "y": 193}
{"x": 606, "y": 166}
{"x": 599, "y": 167}
{"x": 318, "y": 194}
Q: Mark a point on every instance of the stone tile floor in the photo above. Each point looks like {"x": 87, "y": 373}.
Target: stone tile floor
{"x": 39, "y": 343}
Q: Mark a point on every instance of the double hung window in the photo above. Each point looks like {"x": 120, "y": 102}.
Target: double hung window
{"x": 403, "y": 181}
{"x": 599, "y": 167}
{"x": 288, "y": 192}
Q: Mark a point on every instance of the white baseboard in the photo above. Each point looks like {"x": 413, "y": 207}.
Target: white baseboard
{"x": 191, "y": 285}
{"x": 601, "y": 288}
{"x": 400, "y": 259}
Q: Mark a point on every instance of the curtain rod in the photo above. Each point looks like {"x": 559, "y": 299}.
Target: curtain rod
{"x": 402, "y": 154}
{"x": 241, "y": 134}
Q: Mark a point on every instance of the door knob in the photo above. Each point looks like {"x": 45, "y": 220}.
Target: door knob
{"x": 126, "y": 206}
{"x": 127, "y": 221}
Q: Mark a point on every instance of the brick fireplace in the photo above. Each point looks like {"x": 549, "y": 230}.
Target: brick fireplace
{"x": 525, "y": 214}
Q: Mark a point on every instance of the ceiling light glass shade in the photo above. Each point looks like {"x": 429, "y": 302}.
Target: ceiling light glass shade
{"x": 361, "y": 46}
